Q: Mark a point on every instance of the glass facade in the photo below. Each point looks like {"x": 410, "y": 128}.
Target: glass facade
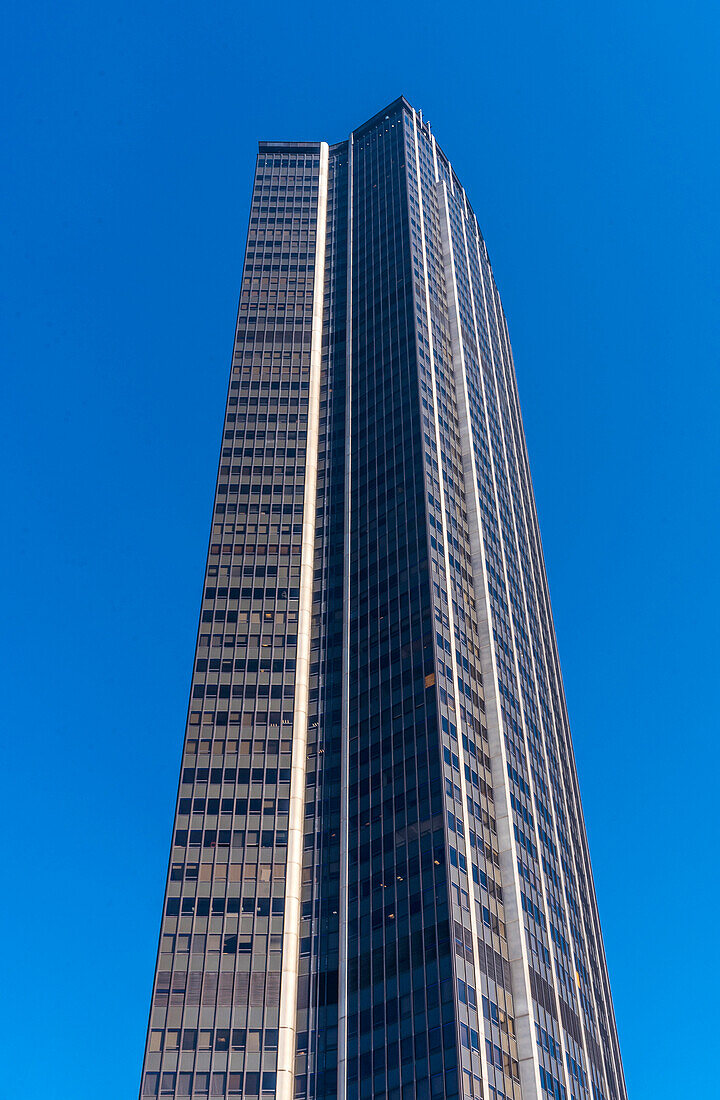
{"x": 379, "y": 883}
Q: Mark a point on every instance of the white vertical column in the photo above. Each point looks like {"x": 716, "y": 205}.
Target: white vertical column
{"x": 547, "y": 728}
{"x": 554, "y": 729}
{"x": 517, "y": 947}
{"x": 293, "y": 880}
{"x": 521, "y": 610}
{"x": 345, "y": 703}
{"x": 449, "y": 590}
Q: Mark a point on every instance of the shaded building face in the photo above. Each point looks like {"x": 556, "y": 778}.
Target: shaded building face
{"x": 379, "y": 883}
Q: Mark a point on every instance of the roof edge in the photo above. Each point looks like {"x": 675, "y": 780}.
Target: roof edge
{"x": 396, "y": 104}
{"x": 289, "y": 146}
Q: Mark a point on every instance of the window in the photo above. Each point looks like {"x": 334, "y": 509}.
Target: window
{"x": 172, "y": 1040}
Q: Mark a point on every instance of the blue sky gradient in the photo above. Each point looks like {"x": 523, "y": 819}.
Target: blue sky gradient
{"x": 586, "y": 137}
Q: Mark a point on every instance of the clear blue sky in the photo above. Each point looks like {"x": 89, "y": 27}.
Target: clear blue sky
{"x": 586, "y": 136}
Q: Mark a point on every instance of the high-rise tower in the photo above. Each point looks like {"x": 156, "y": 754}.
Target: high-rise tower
{"x": 379, "y": 883}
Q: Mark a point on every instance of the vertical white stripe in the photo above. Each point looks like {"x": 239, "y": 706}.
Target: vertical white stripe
{"x": 345, "y": 718}
{"x": 552, "y": 733}
{"x": 515, "y": 659}
{"x": 521, "y": 609}
{"x": 451, "y": 617}
{"x": 517, "y": 948}
{"x": 293, "y": 879}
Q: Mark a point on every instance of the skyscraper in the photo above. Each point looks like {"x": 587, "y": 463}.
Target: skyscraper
{"x": 379, "y": 883}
